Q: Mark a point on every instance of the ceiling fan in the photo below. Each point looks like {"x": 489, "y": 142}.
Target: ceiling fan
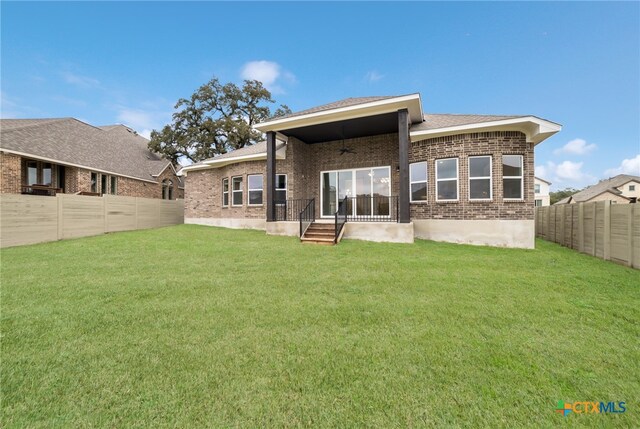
{"x": 345, "y": 149}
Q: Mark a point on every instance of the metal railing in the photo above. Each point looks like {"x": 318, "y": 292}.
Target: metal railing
{"x": 289, "y": 210}
{"x": 340, "y": 217}
{"x": 307, "y": 216}
{"x": 374, "y": 208}
{"x": 40, "y": 190}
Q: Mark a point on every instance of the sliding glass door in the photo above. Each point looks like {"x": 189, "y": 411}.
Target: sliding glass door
{"x": 368, "y": 190}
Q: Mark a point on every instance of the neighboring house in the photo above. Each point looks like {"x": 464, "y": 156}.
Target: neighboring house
{"x": 621, "y": 189}
{"x": 49, "y": 156}
{"x": 394, "y": 172}
{"x": 541, "y": 192}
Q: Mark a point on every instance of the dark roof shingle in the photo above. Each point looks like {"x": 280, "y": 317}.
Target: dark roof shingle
{"x": 116, "y": 149}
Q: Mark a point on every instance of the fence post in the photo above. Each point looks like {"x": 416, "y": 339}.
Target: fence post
{"x": 595, "y": 229}
{"x": 630, "y": 234}
{"x": 606, "y": 231}
{"x": 581, "y": 227}
{"x": 60, "y": 218}
{"x": 104, "y": 213}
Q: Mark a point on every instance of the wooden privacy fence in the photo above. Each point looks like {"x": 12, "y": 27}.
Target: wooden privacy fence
{"x": 27, "y": 219}
{"x": 602, "y": 229}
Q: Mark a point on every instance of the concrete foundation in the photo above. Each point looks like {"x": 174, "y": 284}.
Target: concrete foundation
{"x": 500, "y": 233}
{"x": 283, "y": 228}
{"x": 390, "y": 232}
{"x": 237, "y": 223}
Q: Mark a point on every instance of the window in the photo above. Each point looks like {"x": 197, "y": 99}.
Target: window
{"x": 254, "y": 188}
{"x": 114, "y": 185}
{"x": 225, "y": 192}
{"x": 538, "y": 203}
{"x": 512, "y": 177}
{"x": 94, "y": 182}
{"x": 447, "y": 179}
{"x": 368, "y": 191}
{"x": 167, "y": 189}
{"x": 418, "y": 181}
{"x": 536, "y": 188}
{"x": 632, "y": 188}
{"x": 480, "y": 178}
{"x": 281, "y": 187}
{"x": 32, "y": 173}
{"x": 46, "y": 174}
{"x": 103, "y": 184}
{"x": 236, "y": 190}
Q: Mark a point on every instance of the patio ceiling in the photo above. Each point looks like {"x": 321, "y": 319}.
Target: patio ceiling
{"x": 346, "y": 129}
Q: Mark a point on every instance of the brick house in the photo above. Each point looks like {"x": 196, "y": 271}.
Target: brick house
{"x": 49, "y": 156}
{"x": 377, "y": 168}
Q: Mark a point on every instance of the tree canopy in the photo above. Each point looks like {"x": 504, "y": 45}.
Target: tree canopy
{"x": 554, "y": 197}
{"x": 216, "y": 119}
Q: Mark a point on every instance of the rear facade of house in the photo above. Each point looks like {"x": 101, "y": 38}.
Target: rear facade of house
{"x": 68, "y": 156}
{"x": 390, "y": 171}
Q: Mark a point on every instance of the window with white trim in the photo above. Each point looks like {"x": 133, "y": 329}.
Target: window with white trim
{"x": 447, "y": 179}
{"x": 254, "y": 189}
{"x": 236, "y": 191}
{"x": 281, "y": 187}
{"x": 536, "y": 188}
{"x": 480, "y": 182}
{"x": 632, "y": 188}
{"x": 418, "y": 182}
{"x": 512, "y": 178}
{"x": 225, "y": 192}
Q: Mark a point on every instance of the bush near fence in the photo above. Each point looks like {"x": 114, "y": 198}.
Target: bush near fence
{"x": 28, "y": 219}
{"x": 601, "y": 229}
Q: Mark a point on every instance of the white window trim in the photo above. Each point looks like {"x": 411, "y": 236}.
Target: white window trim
{"x": 249, "y": 189}
{"x": 234, "y": 191}
{"x": 457, "y": 179}
{"x": 226, "y": 179}
{"x": 521, "y": 177}
{"x": 388, "y": 167}
{"x": 425, "y": 181}
{"x": 490, "y": 177}
{"x": 286, "y": 185}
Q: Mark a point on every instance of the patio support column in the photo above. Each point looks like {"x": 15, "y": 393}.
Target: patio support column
{"x": 403, "y": 146}
{"x": 271, "y": 176}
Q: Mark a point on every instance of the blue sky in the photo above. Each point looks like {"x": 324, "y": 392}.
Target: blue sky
{"x": 576, "y": 63}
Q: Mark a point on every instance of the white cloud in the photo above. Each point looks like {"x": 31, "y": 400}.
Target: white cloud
{"x": 79, "y": 80}
{"x": 373, "y": 76}
{"x": 576, "y": 147}
{"x": 143, "y": 121}
{"x": 627, "y": 166}
{"x": 565, "y": 174}
{"x": 270, "y": 73}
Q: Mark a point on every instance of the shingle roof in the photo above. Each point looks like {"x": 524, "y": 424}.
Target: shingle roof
{"x": 608, "y": 185}
{"x": 347, "y": 102}
{"x": 434, "y": 121}
{"x": 116, "y": 148}
{"x": 255, "y": 149}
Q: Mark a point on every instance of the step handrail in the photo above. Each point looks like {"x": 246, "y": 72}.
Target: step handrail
{"x": 340, "y": 218}
{"x": 307, "y": 216}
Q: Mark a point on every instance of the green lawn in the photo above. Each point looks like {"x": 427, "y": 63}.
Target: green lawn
{"x": 193, "y": 326}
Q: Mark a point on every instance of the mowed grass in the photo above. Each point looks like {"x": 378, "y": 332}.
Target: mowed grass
{"x": 194, "y": 326}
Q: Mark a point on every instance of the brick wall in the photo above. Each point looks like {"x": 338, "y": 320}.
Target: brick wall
{"x": 305, "y": 162}
{"x": 10, "y": 173}
{"x": 462, "y": 146}
{"x": 13, "y": 173}
{"x": 203, "y": 197}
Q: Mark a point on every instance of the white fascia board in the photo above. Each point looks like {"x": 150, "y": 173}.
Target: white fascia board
{"x": 218, "y": 163}
{"x": 411, "y": 102}
{"x": 70, "y": 164}
{"x": 534, "y": 128}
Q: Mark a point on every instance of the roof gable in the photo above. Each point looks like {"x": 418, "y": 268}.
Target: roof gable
{"x": 112, "y": 149}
